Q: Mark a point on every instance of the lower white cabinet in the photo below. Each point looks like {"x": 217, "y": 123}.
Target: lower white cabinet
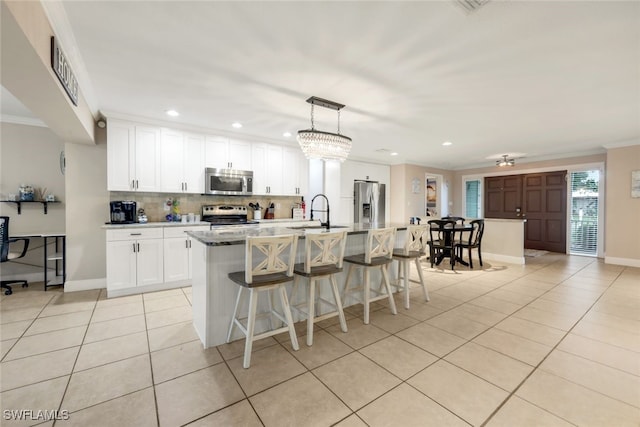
{"x": 177, "y": 253}
{"x": 148, "y": 258}
{"x": 134, "y": 257}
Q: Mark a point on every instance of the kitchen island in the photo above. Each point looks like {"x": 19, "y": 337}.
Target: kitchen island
{"x": 216, "y": 253}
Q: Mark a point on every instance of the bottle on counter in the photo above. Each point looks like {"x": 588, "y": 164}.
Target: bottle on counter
{"x": 303, "y": 205}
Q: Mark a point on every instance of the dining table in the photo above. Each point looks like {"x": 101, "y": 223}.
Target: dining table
{"x": 449, "y": 233}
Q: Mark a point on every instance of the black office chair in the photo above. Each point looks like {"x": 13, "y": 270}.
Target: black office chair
{"x": 474, "y": 241}
{"x": 5, "y": 255}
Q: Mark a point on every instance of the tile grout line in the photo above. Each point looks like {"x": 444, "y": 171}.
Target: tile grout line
{"x": 66, "y": 389}
{"x": 537, "y": 367}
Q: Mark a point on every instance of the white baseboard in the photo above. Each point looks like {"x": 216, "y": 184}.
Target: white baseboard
{"x": 504, "y": 258}
{"x": 85, "y": 285}
{"x": 149, "y": 288}
{"x": 629, "y": 262}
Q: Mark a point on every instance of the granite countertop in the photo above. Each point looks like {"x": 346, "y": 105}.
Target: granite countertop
{"x": 238, "y": 235}
{"x": 155, "y": 224}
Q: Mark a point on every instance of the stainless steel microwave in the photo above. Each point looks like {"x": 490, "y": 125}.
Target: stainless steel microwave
{"x": 228, "y": 182}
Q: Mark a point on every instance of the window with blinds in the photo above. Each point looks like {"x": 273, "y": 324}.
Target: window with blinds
{"x": 585, "y": 202}
{"x": 472, "y": 199}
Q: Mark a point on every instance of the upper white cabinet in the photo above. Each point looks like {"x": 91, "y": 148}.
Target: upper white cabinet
{"x": 352, "y": 171}
{"x": 120, "y": 151}
{"x": 267, "y": 164}
{"x": 154, "y": 159}
{"x": 133, "y": 157}
{"x": 295, "y": 181}
{"x": 182, "y": 162}
{"x": 225, "y": 153}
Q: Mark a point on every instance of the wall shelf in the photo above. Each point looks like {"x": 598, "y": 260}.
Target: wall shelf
{"x": 20, "y": 202}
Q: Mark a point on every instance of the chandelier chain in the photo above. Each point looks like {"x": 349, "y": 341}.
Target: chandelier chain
{"x": 338, "y": 122}
{"x": 312, "y": 123}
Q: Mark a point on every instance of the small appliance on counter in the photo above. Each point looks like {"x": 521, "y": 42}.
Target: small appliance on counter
{"x": 123, "y": 212}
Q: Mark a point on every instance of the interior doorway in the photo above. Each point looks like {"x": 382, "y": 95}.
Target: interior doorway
{"x": 436, "y": 196}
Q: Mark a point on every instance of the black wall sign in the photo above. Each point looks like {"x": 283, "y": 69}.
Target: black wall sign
{"x": 62, "y": 69}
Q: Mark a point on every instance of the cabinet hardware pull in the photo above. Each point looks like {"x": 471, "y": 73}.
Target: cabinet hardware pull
{"x": 138, "y": 245}
{"x": 134, "y": 247}
{"x": 133, "y": 184}
{"x": 137, "y": 185}
{"x": 186, "y": 244}
{"x": 135, "y": 234}
{"x": 185, "y": 186}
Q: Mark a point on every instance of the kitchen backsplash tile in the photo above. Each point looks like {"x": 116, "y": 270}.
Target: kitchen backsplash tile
{"x": 153, "y": 203}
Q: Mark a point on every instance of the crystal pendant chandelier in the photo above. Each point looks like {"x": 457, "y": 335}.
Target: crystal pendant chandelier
{"x": 505, "y": 161}
{"x": 317, "y": 144}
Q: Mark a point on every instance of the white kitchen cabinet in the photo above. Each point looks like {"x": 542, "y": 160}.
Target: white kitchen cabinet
{"x": 134, "y": 258}
{"x": 194, "y": 163}
{"x": 133, "y": 157}
{"x": 267, "y": 163}
{"x": 147, "y": 159}
{"x": 182, "y": 162}
{"x": 295, "y": 181}
{"x": 225, "y": 153}
{"x": 351, "y": 171}
{"x": 177, "y": 253}
{"x": 120, "y": 150}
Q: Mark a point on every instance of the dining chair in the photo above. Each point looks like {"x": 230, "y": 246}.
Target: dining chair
{"x": 269, "y": 265}
{"x": 5, "y": 255}
{"x": 457, "y": 219}
{"x": 377, "y": 254}
{"x": 415, "y": 245}
{"x": 441, "y": 241}
{"x": 323, "y": 258}
{"x": 473, "y": 242}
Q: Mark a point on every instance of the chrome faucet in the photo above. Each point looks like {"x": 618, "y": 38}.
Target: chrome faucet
{"x": 322, "y": 224}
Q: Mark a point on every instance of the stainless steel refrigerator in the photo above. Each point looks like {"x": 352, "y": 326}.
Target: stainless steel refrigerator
{"x": 368, "y": 202}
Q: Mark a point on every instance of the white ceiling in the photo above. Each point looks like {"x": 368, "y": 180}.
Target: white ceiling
{"x": 549, "y": 79}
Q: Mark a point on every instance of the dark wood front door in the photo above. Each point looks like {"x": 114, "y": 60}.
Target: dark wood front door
{"x": 503, "y": 197}
{"x": 539, "y": 198}
{"x": 544, "y": 197}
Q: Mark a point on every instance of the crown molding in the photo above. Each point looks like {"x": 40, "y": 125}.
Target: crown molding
{"x": 18, "y": 120}
{"x": 621, "y": 144}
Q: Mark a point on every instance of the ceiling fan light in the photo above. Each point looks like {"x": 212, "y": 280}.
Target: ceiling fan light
{"x": 505, "y": 161}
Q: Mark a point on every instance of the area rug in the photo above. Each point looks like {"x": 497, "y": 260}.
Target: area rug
{"x": 534, "y": 252}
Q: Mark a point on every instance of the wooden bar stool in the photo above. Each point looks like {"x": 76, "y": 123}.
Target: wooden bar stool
{"x": 324, "y": 253}
{"x": 378, "y": 254}
{"x": 271, "y": 272}
{"x": 415, "y": 245}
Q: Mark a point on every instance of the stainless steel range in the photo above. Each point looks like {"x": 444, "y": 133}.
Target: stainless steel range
{"x": 219, "y": 215}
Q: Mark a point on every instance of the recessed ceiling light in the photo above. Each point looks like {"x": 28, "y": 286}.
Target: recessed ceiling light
{"x": 286, "y": 134}
{"x": 393, "y": 154}
{"x": 447, "y": 143}
{"x": 172, "y": 113}
{"x": 236, "y": 125}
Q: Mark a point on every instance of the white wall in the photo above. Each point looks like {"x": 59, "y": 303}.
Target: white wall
{"x": 87, "y": 202}
{"x": 30, "y": 155}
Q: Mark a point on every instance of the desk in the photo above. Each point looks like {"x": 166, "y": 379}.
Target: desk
{"x": 449, "y": 237}
{"x": 59, "y": 256}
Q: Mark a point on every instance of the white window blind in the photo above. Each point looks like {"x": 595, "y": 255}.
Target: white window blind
{"x": 585, "y": 200}
{"x": 472, "y": 199}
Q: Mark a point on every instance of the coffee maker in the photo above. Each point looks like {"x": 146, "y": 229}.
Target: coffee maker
{"x": 123, "y": 212}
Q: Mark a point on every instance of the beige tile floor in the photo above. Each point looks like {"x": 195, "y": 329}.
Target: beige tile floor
{"x": 555, "y": 342}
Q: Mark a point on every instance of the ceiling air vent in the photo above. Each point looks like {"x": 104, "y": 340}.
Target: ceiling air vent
{"x": 471, "y": 5}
